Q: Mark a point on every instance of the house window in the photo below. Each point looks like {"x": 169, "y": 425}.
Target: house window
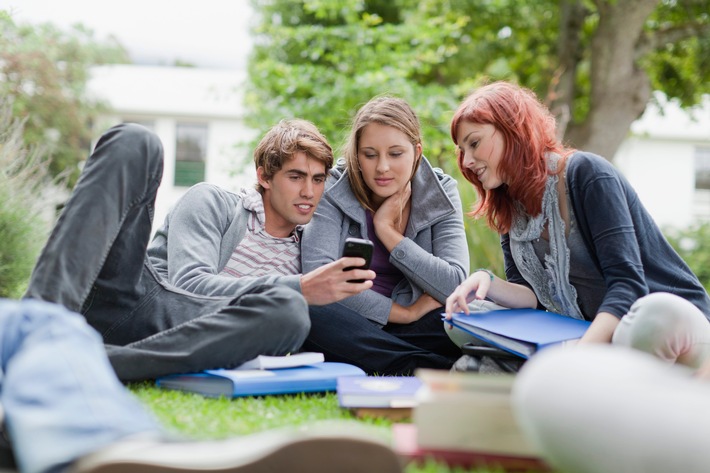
{"x": 702, "y": 168}
{"x": 701, "y": 200}
{"x": 190, "y": 153}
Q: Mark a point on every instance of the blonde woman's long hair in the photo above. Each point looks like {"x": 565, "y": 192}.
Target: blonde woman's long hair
{"x": 388, "y": 111}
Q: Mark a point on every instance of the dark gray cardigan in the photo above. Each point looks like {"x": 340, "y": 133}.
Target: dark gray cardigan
{"x": 625, "y": 243}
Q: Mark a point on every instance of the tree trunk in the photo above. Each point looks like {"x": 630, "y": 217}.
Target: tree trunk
{"x": 570, "y": 52}
{"x": 620, "y": 89}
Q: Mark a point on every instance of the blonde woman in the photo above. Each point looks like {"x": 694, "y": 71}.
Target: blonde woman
{"x": 384, "y": 190}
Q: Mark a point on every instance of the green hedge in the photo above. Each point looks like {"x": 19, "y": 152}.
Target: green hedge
{"x": 693, "y": 245}
{"x": 21, "y": 237}
{"x": 23, "y": 176}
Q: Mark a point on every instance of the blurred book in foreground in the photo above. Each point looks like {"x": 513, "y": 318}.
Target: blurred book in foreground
{"x": 466, "y": 419}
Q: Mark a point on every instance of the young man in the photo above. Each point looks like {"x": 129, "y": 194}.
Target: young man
{"x": 66, "y": 411}
{"x": 220, "y": 283}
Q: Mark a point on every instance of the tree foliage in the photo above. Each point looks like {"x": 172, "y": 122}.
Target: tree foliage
{"x": 595, "y": 62}
{"x": 693, "y": 245}
{"x": 320, "y": 60}
{"x": 45, "y": 70}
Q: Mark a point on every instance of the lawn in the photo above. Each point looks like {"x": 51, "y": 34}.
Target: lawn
{"x": 202, "y": 418}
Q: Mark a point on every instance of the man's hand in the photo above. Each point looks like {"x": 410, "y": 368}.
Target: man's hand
{"x": 329, "y": 283}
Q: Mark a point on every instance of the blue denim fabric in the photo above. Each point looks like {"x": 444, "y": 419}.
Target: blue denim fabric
{"x": 95, "y": 263}
{"x": 60, "y": 396}
{"x": 396, "y": 349}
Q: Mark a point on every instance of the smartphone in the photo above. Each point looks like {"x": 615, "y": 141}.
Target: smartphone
{"x": 361, "y": 248}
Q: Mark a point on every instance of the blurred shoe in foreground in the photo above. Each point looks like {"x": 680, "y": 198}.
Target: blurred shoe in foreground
{"x": 302, "y": 451}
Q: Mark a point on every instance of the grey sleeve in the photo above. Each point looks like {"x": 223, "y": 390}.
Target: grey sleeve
{"x": 440, "y": 271}
{"x": 322, "y": 243}
{"x": 197, "y": 227}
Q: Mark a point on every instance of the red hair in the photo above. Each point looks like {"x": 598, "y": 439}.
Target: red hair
{"x": 529, "y": 134}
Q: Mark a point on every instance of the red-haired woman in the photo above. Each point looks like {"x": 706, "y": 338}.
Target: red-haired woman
{"x": 576, "y": 238}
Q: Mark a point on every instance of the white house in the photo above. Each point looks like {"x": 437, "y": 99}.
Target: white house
{"x": 198, "y": 114}
{"x": 667, "y": 160}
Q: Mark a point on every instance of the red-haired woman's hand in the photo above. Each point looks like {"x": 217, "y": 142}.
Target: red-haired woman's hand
{"x": 476, "y": 286}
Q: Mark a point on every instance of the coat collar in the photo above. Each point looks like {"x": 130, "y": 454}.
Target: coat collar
{"x": 429, "y": 200}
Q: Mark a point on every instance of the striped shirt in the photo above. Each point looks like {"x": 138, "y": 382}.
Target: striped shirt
{"x": 259, "y": 253}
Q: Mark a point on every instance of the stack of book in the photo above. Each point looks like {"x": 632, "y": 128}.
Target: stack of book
{"x": 466, "y": 420}
{"x": 298, "y": 373}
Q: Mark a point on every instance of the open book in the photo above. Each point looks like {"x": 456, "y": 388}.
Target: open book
{"x": 265, "y": 362}
{"x": 520, "y": 331}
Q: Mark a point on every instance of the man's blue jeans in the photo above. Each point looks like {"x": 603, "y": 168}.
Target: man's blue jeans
{"x": 60, "y": 396}
{"x": 95, "y": 263}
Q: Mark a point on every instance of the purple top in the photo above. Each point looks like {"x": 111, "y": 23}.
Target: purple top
{"x": 387, "y": 275}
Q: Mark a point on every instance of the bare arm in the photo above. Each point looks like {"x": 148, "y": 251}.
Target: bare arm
{"x": 601, "y": 330}
{"x": 406, "y": 315}
{"x": 479, "y": 286}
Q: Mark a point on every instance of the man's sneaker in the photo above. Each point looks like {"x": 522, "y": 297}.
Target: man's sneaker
{"x": 336, "y": 449}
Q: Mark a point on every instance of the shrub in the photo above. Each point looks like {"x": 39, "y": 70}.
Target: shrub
{"x": 483, "y": 243}
{"x": 23, "y": 178}
{"x": 693, "y": 245}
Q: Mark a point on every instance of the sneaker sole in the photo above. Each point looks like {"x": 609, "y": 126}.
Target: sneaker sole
{"x": 311, "y": 455}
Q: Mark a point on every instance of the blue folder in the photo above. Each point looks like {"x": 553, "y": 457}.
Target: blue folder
{"x": 319, "y": 377}
{"x": 520, "y": 331}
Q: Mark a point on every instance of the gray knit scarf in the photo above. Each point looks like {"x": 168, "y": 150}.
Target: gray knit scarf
{"x": 551, "y": 282}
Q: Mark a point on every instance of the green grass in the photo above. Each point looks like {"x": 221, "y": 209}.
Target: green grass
{"x": 204, "y": 418}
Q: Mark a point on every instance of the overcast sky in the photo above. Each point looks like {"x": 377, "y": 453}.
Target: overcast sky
{"x": 207, "y": 33}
